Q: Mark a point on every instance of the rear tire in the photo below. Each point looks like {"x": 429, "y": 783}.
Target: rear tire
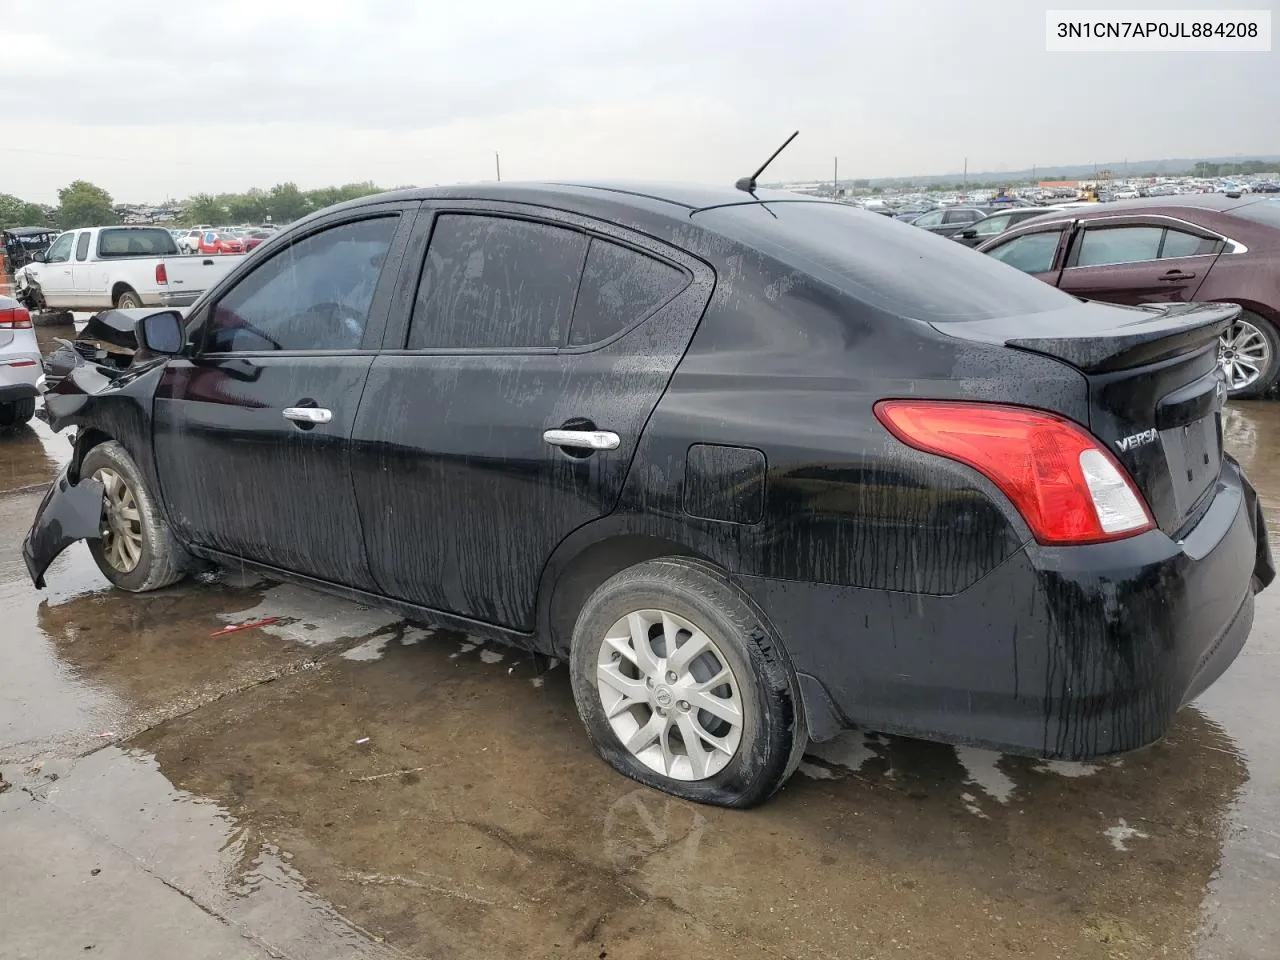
{"x": 16, "y": 413}
{"x": 1256, "y": 338}
{"x": 747, "y": 748}
{"x": 128, "y": 300}
{"x": 137, "y": 552}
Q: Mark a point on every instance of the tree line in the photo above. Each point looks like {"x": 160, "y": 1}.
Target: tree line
{"x": 84, "y": 204}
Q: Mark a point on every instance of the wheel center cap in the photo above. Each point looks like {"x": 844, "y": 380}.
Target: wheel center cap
{"x": 663, "y": 697}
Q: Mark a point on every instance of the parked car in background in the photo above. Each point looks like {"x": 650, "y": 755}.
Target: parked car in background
{"x": 213, "y": 242}
{"x": 740, "y": 526}
{"x": 97, "y": 268}
{"x": 19, "y": 245}
{"x": 1171, "y": 249}
{"x": 19, "y": 365}
{"x": 946, "y": 221}
{"x": 997, "y": 223}
{"x": 255, "y": 237}
{"x": 190, "y": 242}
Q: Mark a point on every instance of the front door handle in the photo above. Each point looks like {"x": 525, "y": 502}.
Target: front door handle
{"x": 582, "y": 439}
{"x": 1178, "y": 275}
{"x": 308, "y": 415}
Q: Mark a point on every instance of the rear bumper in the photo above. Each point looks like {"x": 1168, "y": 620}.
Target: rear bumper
{"x": 1067, "y": 653}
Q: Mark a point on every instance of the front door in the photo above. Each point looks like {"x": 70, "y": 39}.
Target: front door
{"x": 54, "y": 275}
{"x": 252, "y": 432}
{"x": 504, "y": 413}
{"x": 81, "y": 269}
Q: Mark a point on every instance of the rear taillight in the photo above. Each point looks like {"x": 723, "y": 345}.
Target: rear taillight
{"x": 162, "y": 274}
{"x": 1067, "y": 487}
{"x": 15, "y": 318}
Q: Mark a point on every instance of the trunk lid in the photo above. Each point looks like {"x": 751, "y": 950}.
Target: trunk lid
{"x": 1155, "y": 393}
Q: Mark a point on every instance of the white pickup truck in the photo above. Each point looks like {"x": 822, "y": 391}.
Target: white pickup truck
{"x": 97, "y": 268}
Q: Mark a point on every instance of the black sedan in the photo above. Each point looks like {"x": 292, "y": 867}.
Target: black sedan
{"x": 758, "y": 467}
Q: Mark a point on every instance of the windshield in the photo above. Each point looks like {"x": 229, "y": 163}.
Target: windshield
{"x": 885, "y": 263}
{"x": 132, "y": 242}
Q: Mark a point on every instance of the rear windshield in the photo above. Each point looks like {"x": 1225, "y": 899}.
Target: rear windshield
{"x": 889, "y": 265}
{"x": 130, "y": 242}
{"x": 1265, "y": 212}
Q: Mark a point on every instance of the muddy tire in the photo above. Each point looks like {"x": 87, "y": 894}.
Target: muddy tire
{"x": 137, "y": 551}
{"x": 669, "y": 653}
{"x": 16, "y": 413}
{"x": 128, "y": 300}
{"x": 1257, "y": 340}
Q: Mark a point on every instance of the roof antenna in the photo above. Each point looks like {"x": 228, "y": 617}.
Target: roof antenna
{"x": 749, "y": 183}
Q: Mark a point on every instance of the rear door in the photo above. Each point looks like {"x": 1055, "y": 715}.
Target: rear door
{"x": 252, "y": 432}
{"x": 505, "y": 408}
{"x": 1138, "y": 260}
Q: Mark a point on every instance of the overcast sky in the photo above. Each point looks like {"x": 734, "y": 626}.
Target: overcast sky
{"x": 154, "y": 99}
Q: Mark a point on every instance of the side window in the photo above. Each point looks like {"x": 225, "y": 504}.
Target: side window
{"x": 1179, "y": 244}
{"x": 961, "y": 216}
{"x": 60, "y": 252}
{"x": 619, "y": 287}
{"x": 1030, "y": 253}
{"x": 82, "y": 245}
{"x": 491, "y": 282}
{"x": 992, "y": 225}
{"x": 312, "y": 295}
{"x": 1109, "y": 245}
{"x": 931, "y": 219}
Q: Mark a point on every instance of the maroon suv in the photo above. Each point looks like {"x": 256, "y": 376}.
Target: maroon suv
{"x": 1222, "y": 247}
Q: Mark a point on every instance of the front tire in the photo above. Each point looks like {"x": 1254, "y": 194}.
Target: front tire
{"x": 136, "y": 552}
{"x": 16, "y": 413}
{"x": 128, "y": 300}
{"x": 683, "y": 687}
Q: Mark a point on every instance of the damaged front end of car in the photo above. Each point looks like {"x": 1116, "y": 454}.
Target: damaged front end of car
{"x": 101, "y": 384}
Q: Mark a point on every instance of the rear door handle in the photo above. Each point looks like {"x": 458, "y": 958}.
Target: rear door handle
{"x": 582, "y": 439}
{"x": 1178, "y": 275}
{"x": 308, "y": 414}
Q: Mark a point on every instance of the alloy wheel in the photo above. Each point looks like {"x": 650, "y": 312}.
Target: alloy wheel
{"x": 121, "y": 522}
{"x": 1244, "y": 354}
{"x": 669, "y": 695}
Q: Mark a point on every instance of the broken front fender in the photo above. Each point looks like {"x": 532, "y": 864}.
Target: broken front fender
{"x": 68, "y": 512}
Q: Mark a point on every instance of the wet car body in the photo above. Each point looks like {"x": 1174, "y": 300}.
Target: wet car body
{"x": 907, "y": 591}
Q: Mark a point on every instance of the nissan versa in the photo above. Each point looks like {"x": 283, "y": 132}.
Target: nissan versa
{"x": 759, "y": 467}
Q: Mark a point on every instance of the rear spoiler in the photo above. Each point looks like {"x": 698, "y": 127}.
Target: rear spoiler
{"x": 1097, "y": 337}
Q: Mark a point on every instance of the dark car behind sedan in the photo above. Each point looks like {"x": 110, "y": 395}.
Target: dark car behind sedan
{"x": 946, "y": 221}
{"x": 1218, "y": 247}
{"x": 758, "y": 467}
{"x": 997, "y": 223}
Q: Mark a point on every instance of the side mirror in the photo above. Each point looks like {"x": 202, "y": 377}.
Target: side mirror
{"x": 38, "y": 257}
{"x": 161, "y": 332}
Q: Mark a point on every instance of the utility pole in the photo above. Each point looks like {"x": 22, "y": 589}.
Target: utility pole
{"x": 497, "y": 165}
{"x": 966, "y": 176}
{"x": 835, "y": 178}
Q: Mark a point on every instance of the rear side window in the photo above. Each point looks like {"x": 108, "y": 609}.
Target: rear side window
{"x": 119, "y": 242}
{"x": 889, "y": 266}
{"x": 1030, "y": 253}
{"x": 1179, "y": 244}
{"x": 619, "y": 287}
{"x": 1110, "y": 245}
{"x": 494, "y": 282}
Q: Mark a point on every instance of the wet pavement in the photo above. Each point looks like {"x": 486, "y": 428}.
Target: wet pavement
{"x": 341, "y": 783}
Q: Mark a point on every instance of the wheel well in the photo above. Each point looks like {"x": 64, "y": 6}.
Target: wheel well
{"x": 86, "y": 439}
{"x": 118, "y": 289}
{"x": 593, "y": 566}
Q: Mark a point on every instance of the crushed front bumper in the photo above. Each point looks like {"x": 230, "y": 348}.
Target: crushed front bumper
{"x": 70, "y": 511}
